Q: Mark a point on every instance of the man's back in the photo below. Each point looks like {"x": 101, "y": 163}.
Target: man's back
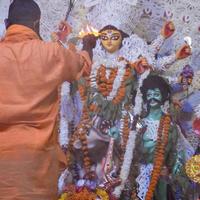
{"x": 30, "y": 73}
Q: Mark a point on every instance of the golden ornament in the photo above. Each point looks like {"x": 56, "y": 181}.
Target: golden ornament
{"x": 193, "y": 168}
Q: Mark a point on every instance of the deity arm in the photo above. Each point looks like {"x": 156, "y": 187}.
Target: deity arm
{"x": 166, "y": 32}
{"x": 156, "y": 44}
{"x": 164, "y": 63}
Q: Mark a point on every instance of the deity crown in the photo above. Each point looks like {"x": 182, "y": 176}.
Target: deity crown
{"x": 118, "y": 13}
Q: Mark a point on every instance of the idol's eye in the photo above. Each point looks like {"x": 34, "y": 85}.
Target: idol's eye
{"x": 104, "y": 37}
{"x": 157, "y": 94}
{"x": 115, "y": 37}
{"x": 149, "y": 95}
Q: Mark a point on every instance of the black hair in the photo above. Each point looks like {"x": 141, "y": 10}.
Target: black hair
{"x": 24, "y": 12}
{"x": 155, "y": 81}
{"x": 110, "y": 27}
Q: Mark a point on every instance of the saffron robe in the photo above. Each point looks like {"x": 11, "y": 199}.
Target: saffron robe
{"x": 31, "y": 72}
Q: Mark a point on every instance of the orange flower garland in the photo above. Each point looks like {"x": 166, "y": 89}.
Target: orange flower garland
{"x": 105, "y": 85}
{"x": 81, "y": 195}
{"x": 82, "y": 136}
{"x": 122, "y": 89}
{"x": 125, "y": 135}
{"x": 81, "y": 132}
{"x": 162, "y": 141}
{"x": 82, "y": 129}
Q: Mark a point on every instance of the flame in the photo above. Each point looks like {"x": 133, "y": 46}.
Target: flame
{"x": 87, "y": 31}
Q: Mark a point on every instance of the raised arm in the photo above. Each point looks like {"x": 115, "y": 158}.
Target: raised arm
{"x": 164, "y": 63}
{"x": 166, "y": 32}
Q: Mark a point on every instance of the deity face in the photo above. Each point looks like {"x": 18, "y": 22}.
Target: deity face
{"x": 154, "y": 97}
{"x": 111, "y": 40}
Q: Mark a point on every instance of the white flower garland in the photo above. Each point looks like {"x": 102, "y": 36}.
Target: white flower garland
{"x": 138, "y": 99}
{"x": 65, "y": 94}
{"x": 112, "y": 62}
{"x": 124, "y": 114}
{"x": 128, "y": 157}
{"x": 117, "y": 83}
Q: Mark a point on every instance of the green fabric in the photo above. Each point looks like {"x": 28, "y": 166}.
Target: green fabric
{"x": 148, "y": 149}
{"x": 161, "y": 190}
{"x": 108, "y": 110}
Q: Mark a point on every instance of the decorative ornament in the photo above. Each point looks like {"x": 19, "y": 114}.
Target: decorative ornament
{"x": 193, "y": 168}
{"x": 118, "y": 13}
{"x": 102, "y": 194}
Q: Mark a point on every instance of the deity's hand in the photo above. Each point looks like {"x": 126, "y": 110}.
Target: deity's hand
{"x": 114, "y": 133}
{"x": 141, "y": 65}
{"x": 168, "y": 29}
{"x": 183, "y": 52}
{"x": 64, "y": 31}
{"x": 89, "y": 41}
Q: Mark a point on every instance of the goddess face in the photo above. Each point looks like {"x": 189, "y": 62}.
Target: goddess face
{"x": 154, "y": 97}
{"x": 111, "y": 40}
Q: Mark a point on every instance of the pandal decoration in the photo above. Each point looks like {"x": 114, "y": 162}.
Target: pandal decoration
{"x": 193, "y": 168}
{"x": 163, "y": 132}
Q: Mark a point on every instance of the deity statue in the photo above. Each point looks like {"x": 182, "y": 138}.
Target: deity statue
{"x": 121, "y": 60}
{"x": 161, "y": 163}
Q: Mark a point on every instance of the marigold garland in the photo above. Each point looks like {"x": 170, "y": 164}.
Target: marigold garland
{"x": 163, "y": 132}
{"x": 81, "y": 132}
{"x": 125, "y": 136}
{"x": 102, "y": 194}
{"x": 105, "y": 85}
{"x": 83, "y": 194}
{"x": 82, "y": 129}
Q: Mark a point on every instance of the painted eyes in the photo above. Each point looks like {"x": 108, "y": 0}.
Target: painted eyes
{"x": 150, "y": 95}
{"x": 113, "y": 37}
